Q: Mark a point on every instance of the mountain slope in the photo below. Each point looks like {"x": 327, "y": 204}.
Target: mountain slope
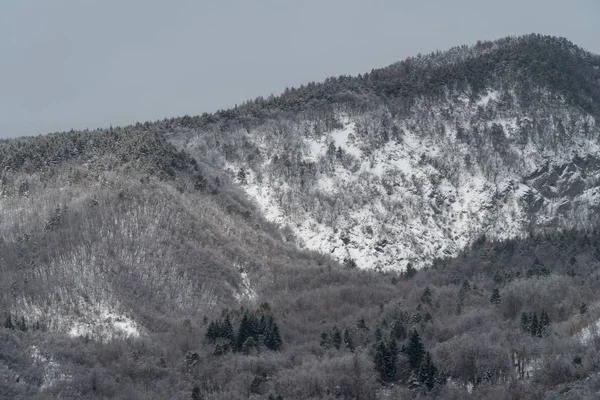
{"x": 114, "y": 271}
{"x": 95, "y": 225}
{"x": 414, "y": 161}
{"x": 132, "y": 269}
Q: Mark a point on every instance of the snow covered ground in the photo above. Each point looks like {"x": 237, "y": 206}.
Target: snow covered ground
{"x": 99, "y": 322}
{"x": 106, "y": 324}
{"x": 589, "y": 333}
{"x": 419, "y": 196}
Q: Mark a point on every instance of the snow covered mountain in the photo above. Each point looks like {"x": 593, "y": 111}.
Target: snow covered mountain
{"x": 415, "y": 161}
{"x": 131, "y": 267}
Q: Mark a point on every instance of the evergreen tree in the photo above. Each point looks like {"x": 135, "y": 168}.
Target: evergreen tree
{"x": 253, "y": 324}
{"x": 244, "y": 332}
{"x": 534, "y": 325}
{"x": 543, "y": 324}
{"x": 350, "y": 263}
{"x": 398, "y": 330}
{"x": 227, "y": 331}
{"x": 426, "y": 296}
{"x": 362, "y": 325}
{"x": 495, "y": 299}
{"x": 410, "y": 271}
{"x": 390, "y": 360}
{"x": 525, "y": 322}
{"x": 262, "y": 325}
{"x": 220, "y": 350}
{"x": 336, "y": 337}
{"x": 276, "y": 340}
{"x": 324, "y": 340}
{"x": 199, "y": 181}
{"x": 255, "y": 385}
{"x": 380, "y": 361}
{"x": 573, "y": 261}
{"x": 221, "y": 330}
{"x": 22, "y": 325}
{"x": 272, "y": 336}
{"x": 8, "y": 324}
{"x": 427, "y": 372}
{"x": 427, "y": 317}
{"x": 378, "y": 335}
{"x": 249, "y": 344}
{"x": 211, "y": 332}
{"x": 348, "y": 342}
{"x": 537, "y": 269}
{"x": 196, "y": 393}
{"x": 583, "y": 308}
{"x": 415, "y": 350}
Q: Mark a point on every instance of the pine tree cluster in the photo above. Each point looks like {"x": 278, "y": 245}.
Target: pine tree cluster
{"x": 386, "y": 355}
{"x": 537, "y": 327}
{"x": 420, "y": 361}
{"x": 256, "y": 328}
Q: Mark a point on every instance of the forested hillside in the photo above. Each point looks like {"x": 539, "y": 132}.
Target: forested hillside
{"x": 415, "y": 161}
{"x": 425, "y": 230}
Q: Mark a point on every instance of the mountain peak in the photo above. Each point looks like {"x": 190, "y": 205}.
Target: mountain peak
{"x": 414, "y": 161}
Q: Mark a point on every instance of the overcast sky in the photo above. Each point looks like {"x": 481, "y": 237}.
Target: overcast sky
{"x": 77, "y": 64}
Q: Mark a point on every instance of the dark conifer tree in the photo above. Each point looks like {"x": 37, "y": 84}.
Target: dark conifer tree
{"x": 8, "y": 324}
{"x": 525, "y": 322}
{"x": 495, "y": 299}
{"x": 227, "y": 331}
{"x": 362, "y": 325}
{"x": 196, "y": 393}
{"x": 543, "y": 324}
{"x": 336, "y": 337}
{"x": 398, "y": 330}
{"x": 272, "y": 337}
{"x": 380, "y": 361}
{"x": 410, "y": 271}
{"x": 415, "y": 350}
{"x": 391, "y": 359}
{"x": 427, "y": 372}
{"x": 426, "y": 296}
{"x": 534, "y": 325}
{"x": 378, "y": 335}
{"x": 244, "y": 332}
{"x": 348, "y": 342}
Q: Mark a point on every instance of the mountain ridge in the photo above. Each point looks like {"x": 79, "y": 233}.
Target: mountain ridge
{"x": 486, "y": 97}
{"x": 504, "y": 106}
{"x": 215, "y": 256}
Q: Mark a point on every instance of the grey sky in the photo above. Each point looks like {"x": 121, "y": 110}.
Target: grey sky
{"x": 77, "y": 64}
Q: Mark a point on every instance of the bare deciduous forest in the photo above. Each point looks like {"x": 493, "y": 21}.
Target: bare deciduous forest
{"x": 136, "y": 264}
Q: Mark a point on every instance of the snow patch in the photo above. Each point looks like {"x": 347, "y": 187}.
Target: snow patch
{"x": 491, "y": 95}
{"x": 98, "y": 322}
{"x": 52, "y": 370}
{"x": 246, "y": 291}
{"x": 589, "y": 333}
{"x": 315, "y": 149}
{"x": 341, "y": 139}
{"x": 105, "y": 323}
